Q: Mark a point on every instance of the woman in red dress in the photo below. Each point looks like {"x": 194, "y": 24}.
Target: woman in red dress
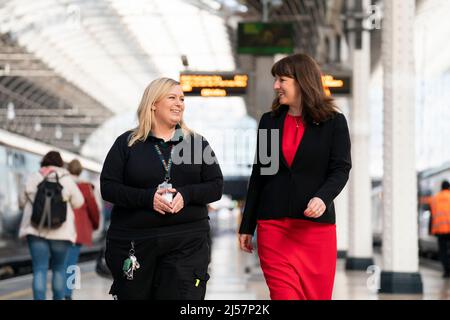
{"x": 292, "y": 210}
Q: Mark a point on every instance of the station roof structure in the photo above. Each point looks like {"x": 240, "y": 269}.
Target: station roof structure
{"x": 66, "y": 66}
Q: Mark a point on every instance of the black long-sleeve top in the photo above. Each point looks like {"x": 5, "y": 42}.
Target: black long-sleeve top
{"x": 130, "y": 177}
{"x": 320, "y": 169}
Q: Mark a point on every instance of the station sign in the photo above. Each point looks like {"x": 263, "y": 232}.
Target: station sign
{"x": 265, "y": 38}
{"x": 336, "y": 85}
{"x": 209, "y": 84}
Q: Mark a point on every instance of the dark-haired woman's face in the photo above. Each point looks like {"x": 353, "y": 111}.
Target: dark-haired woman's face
{"x": 287, "y": 90}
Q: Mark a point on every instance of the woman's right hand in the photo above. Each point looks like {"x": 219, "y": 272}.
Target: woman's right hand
{"x": 245, "y": 242}
{"x": 159, "y": 203}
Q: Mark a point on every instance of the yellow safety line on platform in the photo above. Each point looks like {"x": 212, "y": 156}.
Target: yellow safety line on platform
{"x": 29, "y": 292}
{"x": 17, "y": 294}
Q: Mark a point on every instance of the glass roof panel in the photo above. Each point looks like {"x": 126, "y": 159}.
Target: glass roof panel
{"x": 113, "y": 48}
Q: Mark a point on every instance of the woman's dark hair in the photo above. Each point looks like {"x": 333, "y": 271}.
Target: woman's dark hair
{"x": 316, "y": 105}
{"x": 52, "y": 158}
{"x": 445, "y": 185}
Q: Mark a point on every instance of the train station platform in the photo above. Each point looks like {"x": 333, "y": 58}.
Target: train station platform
{"x": 236, "y": 275}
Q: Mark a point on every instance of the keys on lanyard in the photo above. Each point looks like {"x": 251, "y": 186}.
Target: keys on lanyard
{"x": 130, "y": 264}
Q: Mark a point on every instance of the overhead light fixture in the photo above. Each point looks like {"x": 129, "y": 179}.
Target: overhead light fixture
{"x": 277, "y": 3}
{"x": 37, "y": 125}
{"x": 215, "y": 5}
{"x": 58, "y": 132}
{"x": 242, "y": 8}
{"x": 76, "y": 139}
{"x": 73, "y": 19}
{"x": 234, "y": 5}
{"x": 11, "y": 113}
{"x": 184, "y": 60}
{"x": 7, "y": 69}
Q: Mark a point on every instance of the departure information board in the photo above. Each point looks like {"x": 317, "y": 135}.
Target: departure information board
{"x": 214, "y": 84}
{"x": 259, "y": 38}
{"x": 336, "y": 85}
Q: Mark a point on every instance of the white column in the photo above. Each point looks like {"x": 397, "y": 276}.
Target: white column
{"x": 400, "y": 227}
{"x": 260, "y": 94}
{"x": 360, "y": 252}
{"x": 264, "y": 93}
{"x": 341, "y": 205}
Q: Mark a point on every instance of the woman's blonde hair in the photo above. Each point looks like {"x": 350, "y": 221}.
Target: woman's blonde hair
{"x": 154, "y": 92}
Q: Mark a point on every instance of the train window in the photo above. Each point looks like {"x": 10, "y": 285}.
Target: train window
{"x": 15, "y": 160}
{"x": 3, "y": 158}
{"x": 32, "y": 163}
{"x": 19, "y": 159}
{"x": 9, "y": 159}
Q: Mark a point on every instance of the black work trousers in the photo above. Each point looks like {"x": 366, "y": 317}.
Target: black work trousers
{"x": 444, "y": 251}
{"x": 171, "y": 267}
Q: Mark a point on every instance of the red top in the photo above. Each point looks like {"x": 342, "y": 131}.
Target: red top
{"x": 87, "y": 217}
{"x": 292, "y": 135}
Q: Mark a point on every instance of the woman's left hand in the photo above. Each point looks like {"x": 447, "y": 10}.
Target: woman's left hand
{"x": 177, "y": 202}
{"x": 316, "y": 208}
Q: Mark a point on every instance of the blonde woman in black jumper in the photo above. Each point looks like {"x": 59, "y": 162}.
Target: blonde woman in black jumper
{"x": 160, "y": 182}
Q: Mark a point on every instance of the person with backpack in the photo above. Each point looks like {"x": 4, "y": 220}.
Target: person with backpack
{"x": 87, "y": 219}
{"x": 49, "y": 198}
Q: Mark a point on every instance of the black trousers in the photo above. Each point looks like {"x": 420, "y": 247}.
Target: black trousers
{"x": 171, "y": 267}
{"x": 444, "y": 251}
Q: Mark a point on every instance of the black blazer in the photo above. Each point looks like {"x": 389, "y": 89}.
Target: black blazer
{"x": 320, "y": 169}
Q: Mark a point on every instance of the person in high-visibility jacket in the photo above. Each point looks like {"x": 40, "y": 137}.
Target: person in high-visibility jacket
{"x": 440, "y": 224}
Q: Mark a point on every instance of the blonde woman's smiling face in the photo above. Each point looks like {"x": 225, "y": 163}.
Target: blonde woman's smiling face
{"x": 169, "y": 109}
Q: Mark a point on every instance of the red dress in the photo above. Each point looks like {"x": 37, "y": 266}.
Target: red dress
{"x": 298, "y": 257}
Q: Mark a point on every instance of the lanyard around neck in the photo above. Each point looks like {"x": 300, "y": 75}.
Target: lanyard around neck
{"x": 166, "y": 165}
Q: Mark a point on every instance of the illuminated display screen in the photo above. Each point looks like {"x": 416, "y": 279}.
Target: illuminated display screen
{"x": 335, "y": 85}
{"x": 265, "y": 38}
{"x": 214, "y": 85}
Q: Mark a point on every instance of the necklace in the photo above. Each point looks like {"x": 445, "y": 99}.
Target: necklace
{"x": 297, "y": 123}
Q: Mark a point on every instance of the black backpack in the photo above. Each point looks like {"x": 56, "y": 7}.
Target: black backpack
{"x": 49, "y": 208}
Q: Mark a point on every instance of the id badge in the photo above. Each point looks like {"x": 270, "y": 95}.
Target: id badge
{"x": 168, "y": 196}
